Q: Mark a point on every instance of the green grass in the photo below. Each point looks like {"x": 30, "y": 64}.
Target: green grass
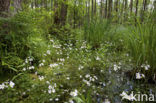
{"x": 96, "y": 31}
{"x": 141, "y": 43}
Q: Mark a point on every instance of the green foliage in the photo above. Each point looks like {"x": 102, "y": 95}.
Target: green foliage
{"x": 14, "y": 33}
{"x": 97, "y": 31}
{"x": 22, "y": 36}
{"x": 141, "y": 43}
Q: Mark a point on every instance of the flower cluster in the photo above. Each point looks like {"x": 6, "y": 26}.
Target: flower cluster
{"x": 146, "y": 67}
{"x": 139, "y": 75}
{"x": 116, "y": 67}
{"x": 28, "y": 62}
{"x": 7, "y": 84}
{"x": 53, "y": 65}
{"x": 74, "y": 93}
{"x": 51, "y": 89}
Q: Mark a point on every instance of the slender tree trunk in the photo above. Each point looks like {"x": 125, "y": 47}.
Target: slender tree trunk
{"x": 60, "y": 15}
{"x": 136, "y": 11}
{"x": 110, "y": 9}
{"x": 35, "y": 3}
{"x": 75, "y": 14}
{"x": 101, "y": 10}
{"x": 116, "y": 6}
{"x": 155, "y": 5}
{"x": 4, "y": 7}
{"x": 32, "y": 4}
{"x": 144, "y": 7}
{"x": 122, "y": 10}
{"x": 95, "y": 8}
{"x": 51, "y": 9}
{"x": 131, "y": 7}
{"x": 106, "y": 8}
{"x": 45, "y": 4}
{"x": 56, "y": 12}
{"x": 88, "y": 10}
{"x": 125, "y": 11}
{"x": 92, "y": 8}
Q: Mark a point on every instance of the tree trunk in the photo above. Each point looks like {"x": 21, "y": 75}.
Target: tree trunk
{"x": 95, "y": 8}
{"x": 101, "y": 10}
{"x": 88, "y": 10}
{"x": 75, "y": 14}
{"x": 125, "y": 11}
{"x": 92, "y": 8}
{"x": 136, "y": 11}
{"x": 144, "y": 7}
{"x": 116, "y": 6}
{"x": 122, "y": 10}
{"x": 63, "y": 14}
{"x": 60, "y": 15}
{"x": 32, "y": 4}
{"x": 131, "y": 7}
{"x": 56, "y": 12}
{"x": 110, "y": 9}
{"x": 106, "y": 9}
{"x": 17, "y": 4}
{"x": 4, "y": 7}
{"x": 45, "y": 4}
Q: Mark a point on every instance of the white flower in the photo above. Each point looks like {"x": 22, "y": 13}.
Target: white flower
{"x": 98, "y": 58}
{"x": 32, "y": 67}
{"x": 107, "y": 101}
{"x": 35, "y": 73}
{"x": 50, "y": 87}
{"x": 48, "y": 52}
{"x": 49, "y": 91}
{"x": 47, "y": 82}
{"x": 50, "y": 99}
{"x": 41, "y": 78}
{"x": 116, "y": 67}
{"x": 26, "y": 61}
{"x": 87, "y": 82}
{"x": 53, "y": 65}
{"x": 12, "y": 84}
{"x": 56, "y": 99}
{"x": 68, "y": 78}
{"x": 87, "y": 76}
{"x": 62, "y": 60}
{"x": 43, "y": 61}
{"x": 143, "y": 76}
{"x": 24, "y": 69}
{"x": 52, "y": 40}
{"x": 139, "y": 76}
{"x": 80, "y": 67}
{"x": 2, "y": 86}
{"x": 92, "y": 79}
{"x": 95, "y": 77}
{"x": 147, "y": 67}
{"x": 30, "y": 59}
{"x": 74, "y": 93}
{"x": 40, "y": 65}
{"x": 71, "y": 101}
